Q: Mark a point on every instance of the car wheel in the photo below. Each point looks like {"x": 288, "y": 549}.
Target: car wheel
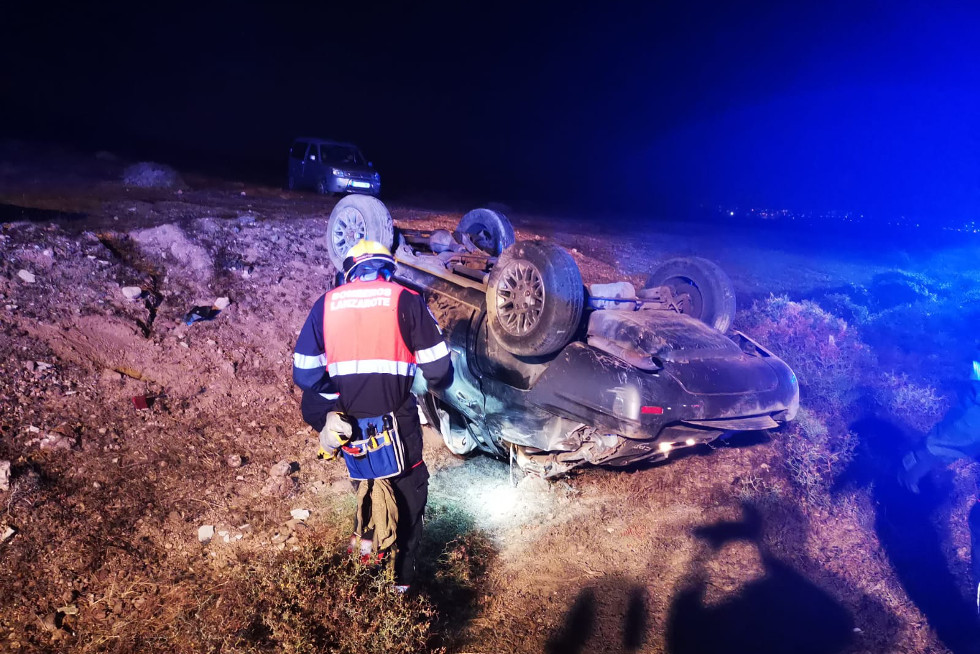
{"x": 321, "y": 188}
{"x": 355, "y": 217}
{"x": 711, "y": 291}
{"x": 489, "y": 230}
{"x": 534, "y": 298}
{"x": 291, "y": 183}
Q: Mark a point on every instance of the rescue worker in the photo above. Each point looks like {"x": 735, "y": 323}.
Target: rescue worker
{"x": 356, "y": 357}
{"x": 956, "y": 436}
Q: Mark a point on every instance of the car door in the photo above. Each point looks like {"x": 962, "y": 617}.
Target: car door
{"x": 297, "y": 163}
{"x": 312, "y": 168}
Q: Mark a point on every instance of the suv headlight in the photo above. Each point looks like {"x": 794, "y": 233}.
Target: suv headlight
{"x": 337, "y": 172}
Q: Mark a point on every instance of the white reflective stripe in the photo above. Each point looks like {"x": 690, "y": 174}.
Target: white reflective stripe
{"x": 306, "y": 362}
{"x": 330, "y": 396}
{"x": 366, "y": 366}
{"x": 433, "y": 353}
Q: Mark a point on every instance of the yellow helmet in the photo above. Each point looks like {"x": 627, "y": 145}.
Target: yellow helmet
{"x": 364, "y": 252}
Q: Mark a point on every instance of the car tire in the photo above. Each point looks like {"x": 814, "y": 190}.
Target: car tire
{"x": 321, "y": 188}
{"x": 355, "y": 217}
{"x": 291, "y": 183}
{"x": 711, "y": 291}
{"x": 489, "y": 230}
{"x": 546, "y": 274}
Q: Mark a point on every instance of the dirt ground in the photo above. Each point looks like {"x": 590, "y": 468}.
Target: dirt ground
{"x": 710, "y": 550}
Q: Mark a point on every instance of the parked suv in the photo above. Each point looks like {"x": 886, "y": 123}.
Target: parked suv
{"x": 331, "y": 167}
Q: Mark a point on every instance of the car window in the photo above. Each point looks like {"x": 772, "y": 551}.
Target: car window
{"x": 342, "y": 154}
{"x": 298, "y": 150}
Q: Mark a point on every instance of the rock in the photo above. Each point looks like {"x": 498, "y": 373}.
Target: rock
{"x": 50, "y": 622}
{"x": 56, "y": 441}
{"x": 205, "y": 533}
{"x": 300, "y": 514}
{"x": 280, "y": 486}
{"x": 4, "y": 475}
{"x": 8, "y": 533}
{"x": 132, "y": 292}
{"x": 171, "y": 241}
{"x": 27, "y": 276}
{"x": 149, "y": 174}
{"x": 234, "y": 461}
{"x": 341, "y": 486}
{"x": 221, "y": 303}
{"x": 281, "y": 469}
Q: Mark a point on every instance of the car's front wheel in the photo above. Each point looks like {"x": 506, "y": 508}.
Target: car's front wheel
{"x": 534, "y": 298}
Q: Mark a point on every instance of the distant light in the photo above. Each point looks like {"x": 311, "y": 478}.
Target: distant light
{"x": 690, "y": 441}
{"x": 731, "y": 213}
{"x": 665, "y": 447}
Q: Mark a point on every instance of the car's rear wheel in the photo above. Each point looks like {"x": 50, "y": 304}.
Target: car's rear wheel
{"x": 712, "y": 296}
{"x": 489, "y": 230}
{"x": 534, "y": 298}
{"x": 355, "y": 217}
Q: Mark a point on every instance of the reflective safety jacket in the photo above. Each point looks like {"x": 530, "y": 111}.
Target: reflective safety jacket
{"x": 362, "y": 344}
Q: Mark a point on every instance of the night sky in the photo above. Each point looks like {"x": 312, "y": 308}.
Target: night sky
{"x": 863, "y": 106}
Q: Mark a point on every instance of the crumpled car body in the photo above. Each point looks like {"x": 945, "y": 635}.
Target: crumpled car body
{"x": 588, "y": 404}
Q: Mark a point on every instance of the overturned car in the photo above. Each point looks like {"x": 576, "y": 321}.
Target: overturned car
{"x": 554, "y": 374}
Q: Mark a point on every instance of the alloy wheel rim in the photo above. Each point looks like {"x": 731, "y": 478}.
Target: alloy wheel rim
{"x": 348, "y": 229}
{"x": 520, "y": 298}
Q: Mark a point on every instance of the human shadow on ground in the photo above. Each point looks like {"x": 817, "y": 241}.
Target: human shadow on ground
{"x": 781, "y": 612}
{"x": 581, "y": 621}
{"x": 906, "y": 525}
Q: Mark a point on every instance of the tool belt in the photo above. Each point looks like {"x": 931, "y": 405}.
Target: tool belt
{"x": 375, "y": 450}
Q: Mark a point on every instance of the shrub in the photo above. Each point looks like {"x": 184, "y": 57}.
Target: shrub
{"x": 827, "y": 355}
{"x": 321, "y": 600}
{"x": 832, "y": 365}
{"x": 147, "y": 174}
{"x": 920, "y": 406}
{"x": 816, "y": 454}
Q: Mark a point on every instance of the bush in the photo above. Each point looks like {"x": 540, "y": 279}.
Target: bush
{"x": 320, "y": 600}
{"x": 920, "y": 406}
{"x": 816, "y": 454}
{"x": 827, "y": 355}
{"x": 147, "y": 174}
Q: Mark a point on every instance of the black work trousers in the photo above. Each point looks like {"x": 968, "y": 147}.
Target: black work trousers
{"x": 411, "y": 493}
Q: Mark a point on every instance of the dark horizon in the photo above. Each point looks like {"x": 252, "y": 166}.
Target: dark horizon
{"x": 865, "y": 107}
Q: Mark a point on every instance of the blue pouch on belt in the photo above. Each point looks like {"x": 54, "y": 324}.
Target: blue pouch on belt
{"x": 375, "y": 451}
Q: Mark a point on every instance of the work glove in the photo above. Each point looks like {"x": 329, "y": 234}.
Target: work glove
{"x": 916, "y": 464}
{"x": 335, "y": 433}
